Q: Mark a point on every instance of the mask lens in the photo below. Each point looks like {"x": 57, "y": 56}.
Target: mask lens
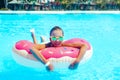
{"x": 54, "y": 38}
{"x": 60, "y": 38}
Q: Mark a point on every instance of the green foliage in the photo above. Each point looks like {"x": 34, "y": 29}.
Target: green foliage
{"x": 9, "y": 0}
{"x": 4, "y": 9}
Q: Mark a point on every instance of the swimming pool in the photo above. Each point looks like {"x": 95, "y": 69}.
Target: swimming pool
{"x": 100, "y": 29}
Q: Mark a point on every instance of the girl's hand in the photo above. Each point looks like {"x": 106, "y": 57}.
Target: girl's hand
{"x": 50, "y": 67}
{"x": 74, "y": 65}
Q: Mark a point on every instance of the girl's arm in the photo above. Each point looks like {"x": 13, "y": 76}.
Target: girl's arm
{"x": 35, "y": 50}
{"x": 83, "y": 48}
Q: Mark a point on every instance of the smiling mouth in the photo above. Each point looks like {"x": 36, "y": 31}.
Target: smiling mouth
{"x": 57, "y": 43}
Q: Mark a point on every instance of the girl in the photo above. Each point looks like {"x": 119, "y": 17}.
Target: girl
{"x": 56, "y": 40}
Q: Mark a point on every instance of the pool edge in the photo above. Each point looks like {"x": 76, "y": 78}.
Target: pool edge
{"x": 58, "y": 12}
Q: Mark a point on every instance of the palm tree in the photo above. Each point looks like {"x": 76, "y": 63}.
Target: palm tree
{"x": 67, "y": 3}
{"x": 6, "y": 3}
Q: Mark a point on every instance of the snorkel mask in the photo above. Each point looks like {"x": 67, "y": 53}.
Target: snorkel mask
{"x": 60, "y": 38}
{"x": 56, "y": 41}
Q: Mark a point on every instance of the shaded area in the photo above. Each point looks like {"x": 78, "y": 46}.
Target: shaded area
{"x": 2, "y": 4}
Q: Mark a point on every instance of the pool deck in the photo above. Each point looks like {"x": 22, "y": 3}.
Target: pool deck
{"x": 58, "y": 12}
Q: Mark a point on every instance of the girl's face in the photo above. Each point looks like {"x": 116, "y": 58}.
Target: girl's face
{"x": 56, "y": 38}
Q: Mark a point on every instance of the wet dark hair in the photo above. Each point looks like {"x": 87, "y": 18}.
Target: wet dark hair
{"x": 56, "y": 28}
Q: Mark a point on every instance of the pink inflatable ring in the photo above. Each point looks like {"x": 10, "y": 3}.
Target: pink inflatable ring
{"x": 60, "y": 57}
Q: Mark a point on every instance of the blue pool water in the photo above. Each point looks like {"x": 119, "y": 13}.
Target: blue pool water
{"x": 101, "y": 30}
